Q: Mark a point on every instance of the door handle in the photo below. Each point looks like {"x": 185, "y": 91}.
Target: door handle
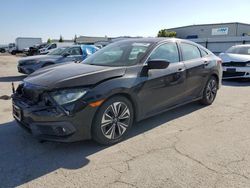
{"x": 181, "y": 69}
{"x": 206, "y": 62}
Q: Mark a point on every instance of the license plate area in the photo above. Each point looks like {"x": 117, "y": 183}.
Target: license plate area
{"x": 17, "y": 113}
{"x": 231, "y": 70}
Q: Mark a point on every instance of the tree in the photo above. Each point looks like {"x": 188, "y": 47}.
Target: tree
{"x": 75, "y": 39}
{"x": 166, "y": 33}
{"x": 49, "y": 40}
{"x": 61, "y": 38}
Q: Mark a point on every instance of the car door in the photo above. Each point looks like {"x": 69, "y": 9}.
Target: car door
{"x": 165, "y": 87}
{"x": 195, "y": 68}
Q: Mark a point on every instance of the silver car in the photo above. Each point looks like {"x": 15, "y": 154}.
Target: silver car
{"x": 236, "y": 62}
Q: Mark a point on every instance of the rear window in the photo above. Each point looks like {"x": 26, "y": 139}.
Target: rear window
{"x": 244, "y": 50}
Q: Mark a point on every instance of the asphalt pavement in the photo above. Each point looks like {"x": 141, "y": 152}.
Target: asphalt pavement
{"x": 191, "y": 146}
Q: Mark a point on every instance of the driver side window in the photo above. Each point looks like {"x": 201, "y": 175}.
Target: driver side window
{"x": 168, "y": 52}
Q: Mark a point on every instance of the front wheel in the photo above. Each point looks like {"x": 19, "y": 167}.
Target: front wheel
{"x": 113, "y": 121}
{"x": 210, "y": 91}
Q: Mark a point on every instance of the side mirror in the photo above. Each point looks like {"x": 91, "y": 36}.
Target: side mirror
{"x": 66, "y": 55}
{"x": 157, "y": 64}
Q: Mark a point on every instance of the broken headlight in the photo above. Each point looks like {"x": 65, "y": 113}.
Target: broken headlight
{"x": 67, "y": 96}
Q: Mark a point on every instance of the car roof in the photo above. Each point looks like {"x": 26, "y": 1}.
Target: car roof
{"x": 156, "y": 40}
{"x": 159, "y": 40}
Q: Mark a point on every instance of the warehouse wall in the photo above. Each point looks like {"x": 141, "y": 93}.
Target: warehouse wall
{"x": 205, "y": 31}
{"x": 243, "y": 29}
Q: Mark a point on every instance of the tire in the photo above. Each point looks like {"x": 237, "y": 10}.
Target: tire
{"x": 210, "y": 91}
{"x": 110, "y": 127}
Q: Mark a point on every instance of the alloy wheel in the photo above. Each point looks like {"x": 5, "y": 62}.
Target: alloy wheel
{"x": 115, "y": 120}
{"x": 211, "y": 90}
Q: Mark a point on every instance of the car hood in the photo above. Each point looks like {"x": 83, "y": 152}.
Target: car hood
{"x": 40, "y": 58}
{"x": 228, "y": 57}
{"x": 72, "y": 75}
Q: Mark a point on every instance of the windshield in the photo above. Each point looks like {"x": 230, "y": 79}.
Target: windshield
{"x": 244, "y": 50}
{"x": 46, "y": 46}
{"x": 57, "y": 51}
{"x": 124, "y": 53}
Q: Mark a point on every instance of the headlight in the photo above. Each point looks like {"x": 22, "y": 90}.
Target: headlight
{"x": 68, "y": 95}
{"x": 248, "y": 65}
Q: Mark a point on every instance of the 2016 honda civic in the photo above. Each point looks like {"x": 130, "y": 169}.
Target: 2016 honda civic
{"x": 126, "y": 81}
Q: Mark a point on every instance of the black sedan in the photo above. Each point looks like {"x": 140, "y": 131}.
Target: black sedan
{"x": 126, "y": 81}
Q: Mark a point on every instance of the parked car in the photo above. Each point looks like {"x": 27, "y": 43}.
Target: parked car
{"x": 51, "y": 46}
{"x": 124, "y": 82}
{"x": 236, "y": 62}
{"x": 2, "y": 50}
{"x": 34, "y": 50}
{"x": 28, "y": 65}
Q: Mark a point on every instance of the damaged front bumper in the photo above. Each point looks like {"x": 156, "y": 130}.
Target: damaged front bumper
{"x": 51, "y": 122}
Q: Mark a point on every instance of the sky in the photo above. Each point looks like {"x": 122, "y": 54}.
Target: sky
{"x": 112, "y": 18}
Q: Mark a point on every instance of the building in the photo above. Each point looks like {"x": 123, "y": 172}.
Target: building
{"x": 64, "y": 40}
{"x": 100, "y": 41}
{"x": 212, "y": 30}
{"x": 216, "y": 37}
{"x": 91, "y": 40}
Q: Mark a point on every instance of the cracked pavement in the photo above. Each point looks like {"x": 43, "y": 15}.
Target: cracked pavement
{"x": 191, "y": 146}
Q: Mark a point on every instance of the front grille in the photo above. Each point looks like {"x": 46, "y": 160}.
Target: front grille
{"x": 232, "y": 74}
{"x": 235, "y": 64}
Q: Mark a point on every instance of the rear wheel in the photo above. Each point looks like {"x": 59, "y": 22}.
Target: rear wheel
{"x": 210, "y": 91}
{"x": 113, "y": 121}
